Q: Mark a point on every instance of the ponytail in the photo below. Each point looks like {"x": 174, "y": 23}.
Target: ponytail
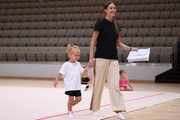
{"x": 116, "y": 28}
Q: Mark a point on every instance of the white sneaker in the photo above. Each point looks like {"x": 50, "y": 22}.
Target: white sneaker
{"x": 120, "y": 116}
{"x": 95, "y": 113}
{"x": 70, "y": 115}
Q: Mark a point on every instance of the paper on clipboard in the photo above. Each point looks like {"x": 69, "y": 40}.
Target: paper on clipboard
{"x": 140, "y": 55}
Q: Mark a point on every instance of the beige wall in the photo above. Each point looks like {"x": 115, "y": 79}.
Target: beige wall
{"x": 139, "y": 71}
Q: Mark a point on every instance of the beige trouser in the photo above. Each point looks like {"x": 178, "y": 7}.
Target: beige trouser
{"x": 106, "y": 69}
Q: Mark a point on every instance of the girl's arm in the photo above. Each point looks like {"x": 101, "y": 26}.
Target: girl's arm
{"x": 129, "y": 84}
{"x": 92, "y": 45}
{"x": 125, "y": 47}
{"x": 86, "y": 69}
{"x": 56, "y": 80}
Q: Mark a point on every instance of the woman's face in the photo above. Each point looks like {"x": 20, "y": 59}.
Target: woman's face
{"x": 111, "y": 10}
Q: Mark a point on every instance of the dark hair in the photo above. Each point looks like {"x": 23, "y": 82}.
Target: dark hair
{"x": 106, "y": 4}
{"x": 121, "y": 71}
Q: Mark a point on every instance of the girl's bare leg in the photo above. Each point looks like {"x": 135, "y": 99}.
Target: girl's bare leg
{"x": 122, "y": 89}
{"x": 128, "y": 89}
{"x": 70, "y": 103}
{"x": 77, "y": 100}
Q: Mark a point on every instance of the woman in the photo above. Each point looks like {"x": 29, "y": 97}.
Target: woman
{"x": 106, "y": 35}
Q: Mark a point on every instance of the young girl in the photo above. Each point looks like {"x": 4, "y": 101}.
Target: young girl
{"x": 124, "y": 83}
{"x": 71, "y": 72}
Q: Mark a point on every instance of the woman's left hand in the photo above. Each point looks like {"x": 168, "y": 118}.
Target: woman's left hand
{"x": 134, "y": 49}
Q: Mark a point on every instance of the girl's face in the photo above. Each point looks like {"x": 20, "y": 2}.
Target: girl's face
{"x": 111, "y": 10}
{"x": 74, "y": 55}
{"x": 123, "y": 74}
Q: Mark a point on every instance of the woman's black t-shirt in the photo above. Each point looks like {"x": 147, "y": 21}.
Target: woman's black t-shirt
{"x": 106, "y": 40}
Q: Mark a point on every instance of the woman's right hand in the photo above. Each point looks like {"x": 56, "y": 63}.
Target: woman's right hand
{"x": 91, "y": 63}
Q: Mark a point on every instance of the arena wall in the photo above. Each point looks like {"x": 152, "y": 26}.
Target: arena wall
{"x": 49, "y": 70}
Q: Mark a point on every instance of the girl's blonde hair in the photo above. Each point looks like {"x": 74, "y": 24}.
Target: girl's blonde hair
{"x": 70, "y": 48}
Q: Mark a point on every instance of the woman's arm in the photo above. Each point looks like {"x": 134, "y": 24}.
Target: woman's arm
{"x": 92, "y": 45}
{"x": 125, "y": 47}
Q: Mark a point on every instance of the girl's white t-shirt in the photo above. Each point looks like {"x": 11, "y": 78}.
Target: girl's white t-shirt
{"x": 71, "y": 73}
